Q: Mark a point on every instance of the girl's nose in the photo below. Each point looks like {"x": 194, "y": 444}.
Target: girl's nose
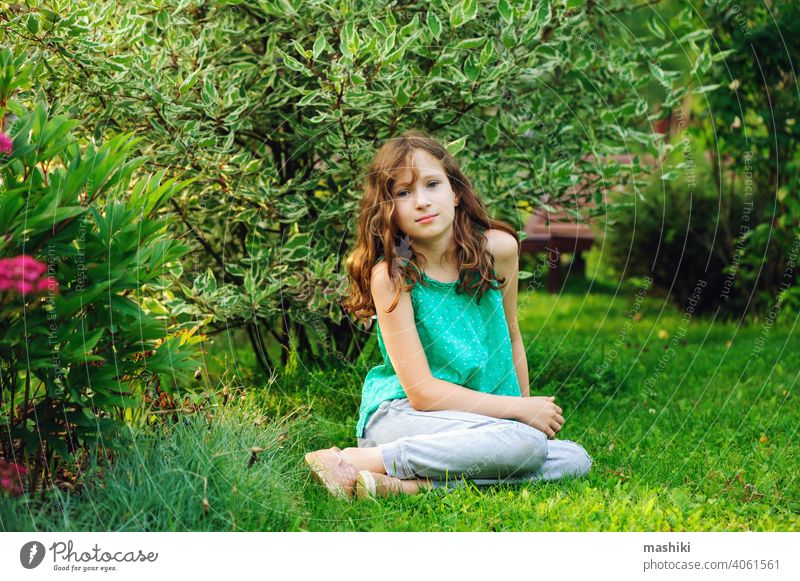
{"x": 422, "y": 200}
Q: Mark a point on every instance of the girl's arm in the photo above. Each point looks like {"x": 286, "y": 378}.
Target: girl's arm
{"x": 521, "y": 367}
{"x": 506, "y": 261}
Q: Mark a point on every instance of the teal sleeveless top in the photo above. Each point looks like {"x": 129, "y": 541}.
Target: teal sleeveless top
{"x": 466, "y": 343}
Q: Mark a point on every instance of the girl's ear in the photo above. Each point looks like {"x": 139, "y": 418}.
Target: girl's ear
{"x": 456, "y": 201}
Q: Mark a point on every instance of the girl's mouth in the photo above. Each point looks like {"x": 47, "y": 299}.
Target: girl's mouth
{"x": 427, "y": 219}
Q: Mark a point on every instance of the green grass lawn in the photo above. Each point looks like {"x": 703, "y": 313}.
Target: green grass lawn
{"x": 698, "y": 438}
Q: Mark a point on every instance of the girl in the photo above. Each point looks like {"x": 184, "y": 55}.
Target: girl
{"x": 451, "y": 399}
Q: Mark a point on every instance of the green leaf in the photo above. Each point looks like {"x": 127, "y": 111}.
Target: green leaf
{"x": 319, "y": 45}
{"x": 410, "y": 30}
{"x": 68, "y": 306}
{"x": 470, "y": 43}
{"x": 490, "y": 132}
{"x": 125, "y": 306}
{"x": 292, "y": 63}
{"x": 189, "y": 81}
{"x": 50, "y": 218}
{"x": 298, "y": 241}
{"x": 660, "y": 76}
{"x": 396, "y": 55}
{"x": 206, "y": 282}
{"x": 56, "y": 443}
{"x": 303, "y": 52}
{"x": 457, "y": 16}
{"x": 703, "y": 62}
{"x": 388, "y": 45}
{"x": 32, "y": 23}
{"x": 209, "y": 93}
{"x": 471, "y": 69}
{"x": 542, "y": 13}
{"x": 469, "y": 9}
{"x": 654, "y": 27}
{"x": 695, "y": 35}
{"x": 487, "y": 52}
{"x": 82, "y": 342}
{"x": 457, "y": 145}
{"x": 379, "y": 26}
{"x": 402, "y": 97}
{"x": 348, "y": 40}
{"x": 721, "y": 55}
{"x": 509, "y": 37}
{"x": 434, "y": 24}
{"x": 310, "y": 98}
{"x": 706, "y": 89}
{"x": 506, "y": 12}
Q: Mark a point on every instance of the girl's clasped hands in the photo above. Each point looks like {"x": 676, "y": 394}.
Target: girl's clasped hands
{"x": 540, "y": 412}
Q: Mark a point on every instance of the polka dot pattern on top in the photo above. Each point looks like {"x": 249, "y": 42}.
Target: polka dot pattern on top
{"x": 466, "y": 342}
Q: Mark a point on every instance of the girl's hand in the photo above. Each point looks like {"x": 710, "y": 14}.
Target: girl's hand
{"x": 540, "y": 412}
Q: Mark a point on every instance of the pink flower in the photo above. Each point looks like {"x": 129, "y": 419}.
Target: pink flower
{"x": 11, "y": 476}
{"x": 6, "y": 144}
{"x": 47, "y": 283}
{"x": 24, "y": 275}
{"x": 23, "y": 266}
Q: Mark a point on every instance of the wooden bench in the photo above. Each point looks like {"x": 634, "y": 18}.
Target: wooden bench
{"x": 556, "y": 233}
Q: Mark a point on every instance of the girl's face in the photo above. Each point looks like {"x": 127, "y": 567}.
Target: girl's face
{"x": 425, "y": 207}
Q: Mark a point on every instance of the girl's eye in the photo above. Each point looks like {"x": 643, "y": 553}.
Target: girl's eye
{"x": 404, "y": 193}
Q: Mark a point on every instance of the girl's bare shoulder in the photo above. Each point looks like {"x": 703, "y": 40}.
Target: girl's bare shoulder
{"x": 381, "y": 281}
{"x": 501, "y": 244}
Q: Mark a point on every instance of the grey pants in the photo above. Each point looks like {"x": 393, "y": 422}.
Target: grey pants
{"x": 449, "y": 446}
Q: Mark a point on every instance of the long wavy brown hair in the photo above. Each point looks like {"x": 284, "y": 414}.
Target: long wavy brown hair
{"x": 379, "y": 236}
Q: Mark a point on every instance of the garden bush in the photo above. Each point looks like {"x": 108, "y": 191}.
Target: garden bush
{"x": 732, "y": 220}
{"x": 678, "y": 235}
{"x": 751, "y": 128}
{"x": 276, "y": 107}
{"x": 84, "y": 257}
